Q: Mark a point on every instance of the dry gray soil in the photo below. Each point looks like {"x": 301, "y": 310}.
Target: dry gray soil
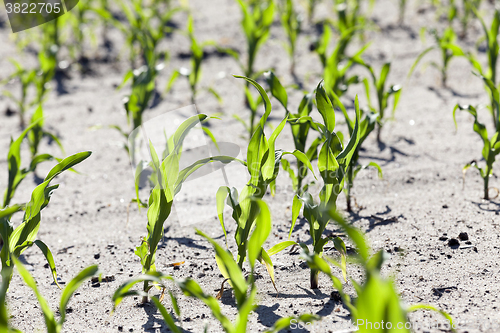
{"x": 420, "y": 199}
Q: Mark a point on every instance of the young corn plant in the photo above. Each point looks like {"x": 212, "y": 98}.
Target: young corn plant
{"x": 446, "y": 44}
{"x": 491, "y": 146}
{"x": 52, "y": 324}
{"x": 366, "y": 126}
{"x": 337, "y": 64}
{"x": 16, "y": 241}
{"x": 256, "y": 24}
{"x": 334, "y": 161}
{"x": 377, "y": 299}
{"x": 382, "y": 94}
{"x": 243, "y": 287}
{"x": 16, "y": 173}
{"x": 38, "y": 132}
{"x": 263, "y": 161}
{"x": 463, "y": 14}
{"x": 143, "y": 88}
{"x": 143, "y": 20}
{"x": 492, "y": 49}
{"x": 194, "y": 74}
{"x": 169, "y": 180}
{"x": 292, "y": 23}
{"x": 300, "y": 127}
{"x": 26, "y": 79}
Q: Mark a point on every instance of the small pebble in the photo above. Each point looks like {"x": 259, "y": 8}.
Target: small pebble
{"x": 463, "y": 236}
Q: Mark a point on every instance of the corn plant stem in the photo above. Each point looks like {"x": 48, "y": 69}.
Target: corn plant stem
{"x": 350, "y": 176}
{"x": 379, "y": 128}
{"x": 314, "y": 278}
{"x": 486, "y": 181}
{"x": 300, "y": 176}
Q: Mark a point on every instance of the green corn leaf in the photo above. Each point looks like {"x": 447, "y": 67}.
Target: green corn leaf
{"x": 261, "y": 232}
{"x": 50, "y": 259}
{"x": 124, "y": 289}
{"x": 237, "y": 280}
{"x": 383, "y": 76}
{"x": 339, "y": 245}
{"x": 221, "y": 196}
{"x": 277, "y": 89}
{"x": 166, "y": 316}
{"x": 378, "y": 301}
{"x": 175, "y": 304}
{"x": 419, "y": 57}
{"x": 72, "y": 286}
{"x": 303, "y": 158}
{"x": 7, "y": 212}
{"x": 265, "y": 98}
{"x": 417, "y": 307}
{"x": 66, "y": 164}
{"x": 354, "y": 234}
{"x": 48, "y": 315}
{"x": 296, "y": 206}
{"x": 350, "y": 148}
{"x": 286, "y": 167}
{"x": 268, "y": 169}
{"x": 325, "y": 107}
{"x": 279, "y": 247}
{"x": 191, "y": 288}
{"x": 266, "y": 260}
{"x": 244, "y": 311}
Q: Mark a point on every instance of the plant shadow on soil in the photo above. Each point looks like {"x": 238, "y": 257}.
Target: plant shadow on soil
{"x": 375, "y": 220}
{"x": 481, "y": 205}
{"x": 152, "y": 324}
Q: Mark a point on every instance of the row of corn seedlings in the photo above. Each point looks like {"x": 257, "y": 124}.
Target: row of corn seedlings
{"x": 337, "y": 162}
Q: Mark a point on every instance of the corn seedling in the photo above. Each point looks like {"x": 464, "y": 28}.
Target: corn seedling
{"x": 256, "y": 24}
{"x": 143, "y": 87}
{"x": 491, "y": 146}
{"x": 143, "y": 20}
{"x": 169, "y": 181}
{"x": 244, "y": 290}
{"x": 194, "y": 74}
{"x": 382, "y": 94}
{"x": 16, "y": 173}
{"x": 300, "y": 131}
{"x": 334, "y": 161}
{"x": 156, "y": 279}
{"x": 26, "y": 79}
{"x": 446, "y": 44}
{"x": 334, "y": 67}
{"x": 52, "y": 324}
{"x": 366, "y": 126}
{"x": 376, "y": 298}
{"x": 464, "y": 15}
{"x": 37, "y": 132}
{"x": 263, "y": 161}
{"x": 16, "y": 241}
{"x": 82, "y": 26}
{"x": 492, "y": 49}
{"x": 349, "y": 16}
{"x": 291, "y": 22}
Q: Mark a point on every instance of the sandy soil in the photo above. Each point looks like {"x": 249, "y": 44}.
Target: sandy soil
{"x": 420, "y": 199}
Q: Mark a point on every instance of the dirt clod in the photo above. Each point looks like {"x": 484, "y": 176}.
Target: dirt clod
{"x": 453, "y": 242}
{"x": 463, "y": 236}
